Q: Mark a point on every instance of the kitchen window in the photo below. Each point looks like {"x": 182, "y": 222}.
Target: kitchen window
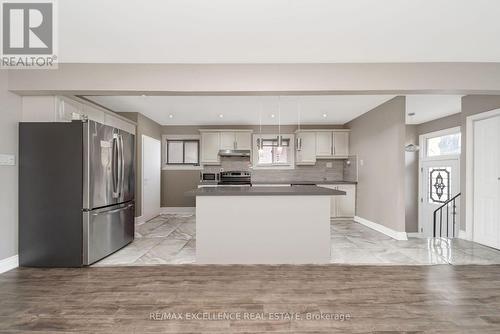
{"x": 272, "y": 156}
{"x": 183, "y": 152}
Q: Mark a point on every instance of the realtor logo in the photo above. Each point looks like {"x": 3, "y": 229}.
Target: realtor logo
{"x": 28, "y": 34}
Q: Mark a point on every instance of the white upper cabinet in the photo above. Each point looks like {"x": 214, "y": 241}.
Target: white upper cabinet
{"x": 227, "y": 141}
{"x": 305, "y": 148}
{"x": 243, "y": 140}
{"x": 64, "y": 109}
{"x": 212, "y": 141}
{"x": 210, "y": 145}
{"x": 93, "y": 113}
{"x": 340, "y": 144}
{"x": 67, "y": 109}
{"x": 235, "y": 140}
{"x": 324, "y": 144}
{"x": 332, "y": 144}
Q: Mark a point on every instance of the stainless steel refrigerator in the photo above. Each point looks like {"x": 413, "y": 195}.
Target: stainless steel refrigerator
{"x": 76, "y": 192}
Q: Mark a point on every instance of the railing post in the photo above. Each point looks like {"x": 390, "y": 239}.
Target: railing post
{"x": 451, "y": 201}
{"x": 440, "y": 222}
{"x": 454, "y": 217}
{"x": 447, "y": 218}
{"x": 434, "y": 224}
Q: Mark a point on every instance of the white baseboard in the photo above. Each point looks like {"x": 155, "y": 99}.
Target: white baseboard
{"x": 177, "y": 210}
{"x": 9, "y": 263}
{"x": 382, "y": 229}
{"x": 463, "y": 235}
{"x": 414, "y": 235}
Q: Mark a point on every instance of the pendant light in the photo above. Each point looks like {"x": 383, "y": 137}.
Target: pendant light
{"x": 280, "y": 138}
{"x": 260, "y": 144}
{"x": 299, "y": 139}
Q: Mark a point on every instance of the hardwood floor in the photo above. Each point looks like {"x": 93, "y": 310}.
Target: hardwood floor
{"x": 443, "y": 298}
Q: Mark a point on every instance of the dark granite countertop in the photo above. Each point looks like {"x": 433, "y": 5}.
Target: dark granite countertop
{"x": 303, "y": 182}
{"x": 264, "y": 191}
{"x": 286, "y": 182}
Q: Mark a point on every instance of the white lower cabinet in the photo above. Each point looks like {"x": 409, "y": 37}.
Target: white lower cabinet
{"x": 342, "y": 206}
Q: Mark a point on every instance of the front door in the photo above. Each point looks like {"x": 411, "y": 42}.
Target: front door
{"x": 440, "y": 182}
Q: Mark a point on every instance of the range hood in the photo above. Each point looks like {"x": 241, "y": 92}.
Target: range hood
{"x": 234, "y": 153}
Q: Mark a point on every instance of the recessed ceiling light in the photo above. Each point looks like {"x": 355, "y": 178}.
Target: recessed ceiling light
{"x": 221, "y": 116}
{"x": 272, "y": 116}
{"x": 325, "y": 115}
{"x": 170, "y": 116}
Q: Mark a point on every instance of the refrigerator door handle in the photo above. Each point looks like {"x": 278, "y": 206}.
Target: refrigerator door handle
{"x": 122, "y": 166}
{"x": 112, "y": 211}
{"x": 115, "y": 162}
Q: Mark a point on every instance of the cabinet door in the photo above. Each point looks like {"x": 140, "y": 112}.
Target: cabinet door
{"x": 243, "y": 140}
{"x": 324, "y": 144}
{"x": 210, "y": 147}
{"x": 341, "y": 144}
{"x": 93, "y": 114}
{"x": 227, "y": 141}
{"x": 119, "y": 123}
{"x": 66, "y": 108}
{"x": 306, "y": 148}
{"x": 346, "y": 204}
{"x": 333, "y": 200}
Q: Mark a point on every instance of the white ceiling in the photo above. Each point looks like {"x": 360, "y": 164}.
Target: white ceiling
{"x": 430, "y": 107}
{"x": 243, "y": 110}
{"x": 278, "y": 31}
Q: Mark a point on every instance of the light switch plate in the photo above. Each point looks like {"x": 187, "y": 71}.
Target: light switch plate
{"x": 7, "y": 160}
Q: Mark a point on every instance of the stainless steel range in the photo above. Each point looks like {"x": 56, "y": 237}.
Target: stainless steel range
{"x": 235, "y": 178}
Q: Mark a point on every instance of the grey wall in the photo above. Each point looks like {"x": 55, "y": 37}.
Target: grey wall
{"x": 148, "y": 127}
{"x": 378, "y": 139}
{"x": 471, "y": 104}
{"x": 411, "y": 181}
{"x": 10, "y": 115}
{"x": 176, "y": 182}
{"x": 439, "y": 124}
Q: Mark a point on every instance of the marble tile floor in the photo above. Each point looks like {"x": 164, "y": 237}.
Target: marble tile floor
{"x": 171, "y": 239}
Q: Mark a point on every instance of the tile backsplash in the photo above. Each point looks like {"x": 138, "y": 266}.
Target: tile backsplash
{"x": 340, "y": 170}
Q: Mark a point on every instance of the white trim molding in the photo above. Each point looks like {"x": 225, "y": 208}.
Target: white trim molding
{"x": 9, "y": 263}
{"x": 177, "y": 210}
{"x": 381, "y": 228}
{"x": 414, "y": 235}
{"x": 463, "y": 235}
{"x": 468, "y": 234}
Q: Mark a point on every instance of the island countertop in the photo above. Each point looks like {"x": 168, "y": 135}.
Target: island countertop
{"x": 264, "y": 191}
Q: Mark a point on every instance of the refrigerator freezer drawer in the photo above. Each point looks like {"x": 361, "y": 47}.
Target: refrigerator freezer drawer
{"x": 107, "y": 230}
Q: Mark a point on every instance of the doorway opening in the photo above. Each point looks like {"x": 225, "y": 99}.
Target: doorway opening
{"x": 439, "y": 181}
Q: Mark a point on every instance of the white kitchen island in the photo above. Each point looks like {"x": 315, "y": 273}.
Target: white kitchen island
{"x": 263, "y": 225}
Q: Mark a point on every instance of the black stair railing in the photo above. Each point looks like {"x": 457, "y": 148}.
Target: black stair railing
{"x": 451, "y": 203}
